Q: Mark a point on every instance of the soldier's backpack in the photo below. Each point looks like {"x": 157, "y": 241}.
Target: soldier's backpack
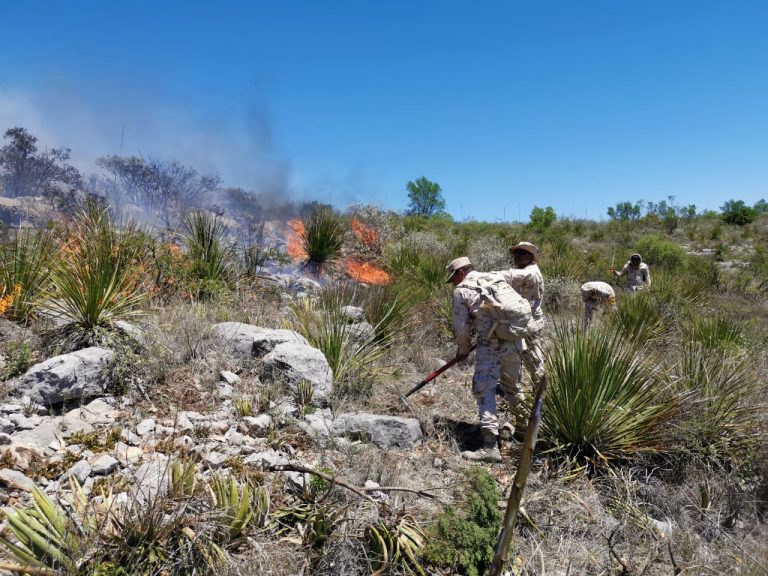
{"x": 511, "y": 313}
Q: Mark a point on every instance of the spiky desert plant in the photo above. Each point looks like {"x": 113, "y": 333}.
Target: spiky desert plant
{"x": 95, "y": 280}
{"x": 718, "y": 331}
{"x": 322, "y": 239}
{"x": 721, "y": 408}
{"x": 348, "y": 351}
{"x": 240, "y": 505}
{"x": 211, "y": 256}
{"x": 640, "y": 318}
{"x": 605, "y": 399}
{"x": 24, "y": 269}
{"x": 396, "y": 546}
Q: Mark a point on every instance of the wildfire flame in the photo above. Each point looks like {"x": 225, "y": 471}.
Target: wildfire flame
{"x": 366, "y": 235}
{"x": 367, "y": 273}
{"x": 7, "y": 299}
{"x": 294, "y": 247}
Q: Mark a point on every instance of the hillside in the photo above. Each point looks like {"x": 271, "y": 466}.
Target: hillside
{"x": 227, "y": 398}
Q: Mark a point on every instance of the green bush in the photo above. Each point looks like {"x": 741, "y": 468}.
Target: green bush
{"x": 659, "y": 251}
{"x": 463, "y": 540}
{"x": 605, "y": 398}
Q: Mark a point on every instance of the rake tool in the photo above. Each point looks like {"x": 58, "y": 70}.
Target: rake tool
{"x": 435, "y": 374}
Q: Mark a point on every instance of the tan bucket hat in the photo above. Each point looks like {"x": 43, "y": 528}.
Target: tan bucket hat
{"x": 528, "y": 247}
{"x": 456, "y": 265}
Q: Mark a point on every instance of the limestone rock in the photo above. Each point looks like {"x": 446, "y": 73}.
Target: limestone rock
{"x": 41, "y": 439}
{"x": 105, "y": 464}
{"x": 296, "y": 362}
{"x": 79, "y": 471}
{"x": 266, "y": 340}
{"x": 71, "y": 376}
{"x": 15, "y": 480}
{"x": 383, "y": 431}
{"x": 145, "y": 427}
{"x": 258, "y": 424}
{"x": 229, "y": 377}
{"x": 353, "y": 314}
{"x": 151, "y": 480}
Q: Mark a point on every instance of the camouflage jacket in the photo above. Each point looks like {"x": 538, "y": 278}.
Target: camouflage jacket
{"x": 466, "y": 305}
{"x": 637, "y": 276}
{"x": 529, "y": 283}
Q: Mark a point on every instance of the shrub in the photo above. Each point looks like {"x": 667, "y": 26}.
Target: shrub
{"x": 713, "y": 332}
{"x": 561, "y": 294}
{"x": 24, "y": 271}
{"x": 736, "y": 212}
{"x": 463, "y": 540}
{"x": 659, "y": 251}
{"x": 542, "y": 218}
{"x": 605, "y": 400}
{"x": 488, "y": 253}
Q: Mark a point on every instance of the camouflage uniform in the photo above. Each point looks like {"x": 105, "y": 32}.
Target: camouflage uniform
{"x": 637, "y": 276}
{"x": 595, "y": 295}
{"x": 529, "y": 283}
{"x": 495, "y": 359}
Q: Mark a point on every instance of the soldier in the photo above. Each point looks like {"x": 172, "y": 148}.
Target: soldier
{"x": 637, "y": 273}
{"x": 596, "y": 295}
{"x": 526, "y": 278}
{"x": 494, "y": 357}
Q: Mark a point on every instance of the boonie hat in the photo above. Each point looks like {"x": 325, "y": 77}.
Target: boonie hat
{"x": 528, "y": 247}
{"x": 456, "y": 265}
{"x": 636, "y": 257}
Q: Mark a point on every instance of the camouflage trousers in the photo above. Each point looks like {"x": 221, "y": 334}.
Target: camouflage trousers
{"x": 498, "y": 363}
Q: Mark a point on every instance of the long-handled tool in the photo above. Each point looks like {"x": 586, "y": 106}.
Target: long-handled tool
{"x": 435, "y": 374}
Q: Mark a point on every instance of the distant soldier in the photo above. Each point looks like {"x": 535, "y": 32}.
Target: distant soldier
{"x": 637, "y": 273}
{"x": 526, "y": 278}
{"x": 596, "y": 295}
{"x": 495, "y": 358}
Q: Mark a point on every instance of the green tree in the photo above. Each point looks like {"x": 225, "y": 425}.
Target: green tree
{"x": 738, "y": 213}
{"x": 626, "y": 211}
{"x": 426, "y": 197}
{"x": 542, "y": 218}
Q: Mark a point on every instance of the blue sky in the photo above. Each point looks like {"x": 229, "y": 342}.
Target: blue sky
{"x": 507, "y": 105}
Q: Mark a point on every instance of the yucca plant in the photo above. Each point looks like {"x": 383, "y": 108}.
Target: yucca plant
{"x": 326, "y": 328}
{"x": 211, "y": 256}
{"x": 181, "y": 478}
{"x": 721, "y": 411}
{"x": 95, "y": 280}
{"x": 605, "y": 398}
{"x": 322, "y": 239}
{"x": 24, "y": 270}
{"x": 718, "y": 331}
{"x": 639, "y": 318}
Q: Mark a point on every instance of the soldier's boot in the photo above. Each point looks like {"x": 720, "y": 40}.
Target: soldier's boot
{"x": 488, "y": 452}
{"x": 507, "y": 431}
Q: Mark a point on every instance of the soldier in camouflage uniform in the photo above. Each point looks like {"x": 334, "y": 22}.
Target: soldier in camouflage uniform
{"x": 596, "y": 295}
{"x": 525, "y": 277}
{"x": 493, "y": 357}
{"x": 637, "y": 273}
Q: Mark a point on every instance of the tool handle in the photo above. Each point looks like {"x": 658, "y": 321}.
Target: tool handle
{"x": 435, "y": 374}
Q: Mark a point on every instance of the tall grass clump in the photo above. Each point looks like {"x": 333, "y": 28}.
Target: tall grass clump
{"x": 24, "y": 270}
{"x": 605, "y": 399}
{"x": 350, "y": 351}
{"x": 322, "y": 239}
{"x": 212, "y": 259}
{"x": 721, "y": 411}
{"x": 95, "y": 279}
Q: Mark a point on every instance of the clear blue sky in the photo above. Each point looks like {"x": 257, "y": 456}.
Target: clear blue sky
{"x": 573, "y": 104}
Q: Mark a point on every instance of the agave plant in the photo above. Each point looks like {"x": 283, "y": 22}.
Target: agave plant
{"x": 95, "y": 280}
{"x": 396, "y": 546}
{"x": 240, "y": 505}
{"x": 24, "y": 271}
{"x": 605, "y": 398}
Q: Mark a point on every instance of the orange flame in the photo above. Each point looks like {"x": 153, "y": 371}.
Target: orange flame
{"x": 367, "y": 273}
{"x": 295, "y": 249}
{"x": 366, "y": 235}
{"x": 7, "y": 299}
